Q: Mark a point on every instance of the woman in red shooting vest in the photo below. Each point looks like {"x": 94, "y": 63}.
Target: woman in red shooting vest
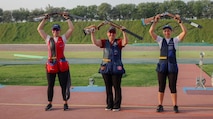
{"x": 112, "y": 67}
{"x": 57, "y": 64}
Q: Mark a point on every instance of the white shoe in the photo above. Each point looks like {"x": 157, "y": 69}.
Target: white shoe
{"x": 116, "y": 110}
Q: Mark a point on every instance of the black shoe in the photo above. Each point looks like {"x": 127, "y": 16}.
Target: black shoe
{"x": 48, "y": 107}
{"x": 108, "y": 109}
{"x": 66, "y": 107}
{"x": 176, "y": 109}
{"x": 160, "y": 108}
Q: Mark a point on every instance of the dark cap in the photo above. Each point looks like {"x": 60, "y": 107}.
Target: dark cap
{"x": 56, "y": 26}
{"x": 112, "y": 29}
{"x": 167, "y": 27}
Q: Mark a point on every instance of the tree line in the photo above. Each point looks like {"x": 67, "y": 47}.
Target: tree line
{"x": 193, "y": 9}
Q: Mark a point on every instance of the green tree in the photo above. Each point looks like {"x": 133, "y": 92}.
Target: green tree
{"x": 175, "y": 6}
{"x": 148, "y": 9}
{"x": 7, "y": 16}
{"x": 20, "y": 14}
{"x": 114, "y": 14}
{"x": 141, "y": 10}
{"x": 104, "y": 11}
{"x": 125, "y": 10}
{"x": 196, "y": 8}
{"x": 199, "y": 9}
{"x": 79, "y": 11}
{"x": 92, "y": 12}
{"x": 35, "y": 14}
{"x": 208, "y": 9}
{"x": 1, "y": 15}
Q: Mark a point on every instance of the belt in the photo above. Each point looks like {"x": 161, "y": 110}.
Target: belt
{"x": 106, "y": 60}
{"x": 162, "y": 57}
{"x": 52, "y": 58}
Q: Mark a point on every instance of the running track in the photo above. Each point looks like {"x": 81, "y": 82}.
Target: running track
{"x": 28, "y": 102}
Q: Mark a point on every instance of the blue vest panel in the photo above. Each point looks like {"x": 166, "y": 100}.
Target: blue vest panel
{"x": 167, "y": 60}
{"x": 111, "y": 63}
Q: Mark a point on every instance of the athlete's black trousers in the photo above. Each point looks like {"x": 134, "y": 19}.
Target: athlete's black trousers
{"x": 172, "y": 77}
{"x": 64, "y": 80}
{"x": 113, "y": 81}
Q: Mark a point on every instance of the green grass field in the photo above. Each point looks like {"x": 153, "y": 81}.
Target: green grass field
{"x": 9, "y": 55}
{"x": 136, "y": 74}
{"x": 34, "y": 75}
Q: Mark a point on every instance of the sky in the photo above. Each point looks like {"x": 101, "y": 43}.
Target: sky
{"x": 68, "y": 4}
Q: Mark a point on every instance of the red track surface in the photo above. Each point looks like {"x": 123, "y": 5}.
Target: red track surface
{"x": 28, "y": 102}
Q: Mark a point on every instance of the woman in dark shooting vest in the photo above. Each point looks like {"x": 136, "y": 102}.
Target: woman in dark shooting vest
{"x": 57, "y": 64}
{"x": 167, "y": 65}
{"x": 112, "y": 67}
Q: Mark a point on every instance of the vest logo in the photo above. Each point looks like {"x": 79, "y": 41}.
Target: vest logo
{"x": 61, "y": 45}
{"x": 115, "y": 44}
{"x": 119, "y": 67}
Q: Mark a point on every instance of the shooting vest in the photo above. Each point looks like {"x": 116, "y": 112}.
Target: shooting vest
{"x": 111, "y": 62}
{"x": 56, "y": 59}
{"x": 167, "y": 59}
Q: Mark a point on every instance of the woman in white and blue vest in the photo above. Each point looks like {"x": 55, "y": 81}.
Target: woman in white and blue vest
{"x": 167, "y": 65}
{"x": 112, "y": 67}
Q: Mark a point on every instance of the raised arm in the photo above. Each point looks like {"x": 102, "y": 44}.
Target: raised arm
{"x": 125, "y": 38}
{"x": 70, "y": 25}
{"x": 152, "y": 28}
{"x": 94, "y": 40}
{"x": 183, "y": 28}
{"x": 40, "y": 28}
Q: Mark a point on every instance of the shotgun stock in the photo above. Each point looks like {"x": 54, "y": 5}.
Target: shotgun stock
{"x": 125, "y": 30}
{"x": 151, "y": 19}
{"x": 185, "y": 21}
{"x": 57, "y": 14}
{"x": 92, "y": 28}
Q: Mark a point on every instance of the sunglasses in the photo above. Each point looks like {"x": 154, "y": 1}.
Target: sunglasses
{"x": 56, "y": 29}
{"x": 112, "y": 32}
